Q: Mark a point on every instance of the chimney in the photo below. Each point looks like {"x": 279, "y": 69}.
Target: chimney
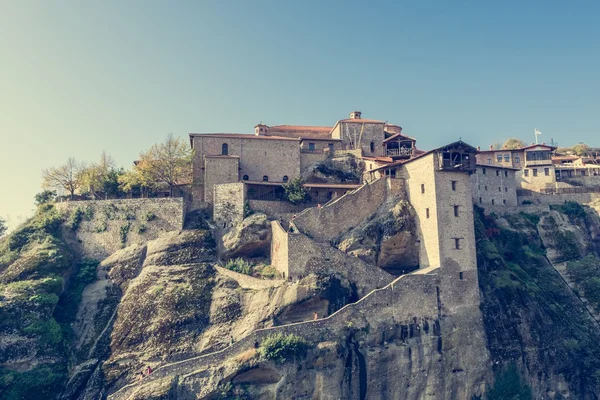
{"x": 261, "y": 129}
{"x": 478, "y": 148}
{"x": 491, "y": 147}
{"x": 355, "y": 115}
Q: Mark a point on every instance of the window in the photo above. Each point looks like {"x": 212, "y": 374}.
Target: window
{"x": 311, "y": 147}
{"x": 505, "y": 189}
{"x": 483, "y": 171}
{"x": 518, "y": 159}
{"x": 506, "y": 157}
{"x": 480, "y": 200}
{"x": 285, "y": 179}
{"x": 506, "y": 174}
{"x": 224, "y": 149}
{"x": 499, "y": 189}
{"x": 485, "y": 187}
{"x": 460, "y": 275}
{"x": 547, "y": 171}
{"x": 456, "y": 211}
{"x": 330, "y": 145}
{"x": 503, "y": 201}
{"x": 265, "y": 178}
{"x": 526, "y": 172}
{"x": 393, "y": 173}
{"x": 497, "y": 173}
{"x": 427, "y": 213}
{"x": 372, "y": 147}
{"x": 489, "y": 160}
{"x": 493, "y": 202}
{"x": 245, "y": 177}
{"x": 453, "y": 185}
{"x": 422, "y": 188}
{"x": 535, "y": 172}
{"x": 499, "y": 158}
{"x": 582, "y": 173}
{"x": 457, "y": 243}
{"x": 329, "y": 195}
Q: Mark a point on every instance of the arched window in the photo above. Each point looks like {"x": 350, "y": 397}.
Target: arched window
{"x": 245, "y": 177}
{"x": 265, "y": 178}
{"x": 285, "y": 179}
{"x": 224, "y": 149}
{"x": 372, "y": 147}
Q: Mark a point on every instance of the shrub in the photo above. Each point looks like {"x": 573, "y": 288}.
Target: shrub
{"x": 46, "y": 196}
{"x": 42, "y": 382}
{"x": 68, "y": 303}
{"x": 149, "y": 216}
{"x": 280, "y": 348}
{"x": 239, "y": 265}
{"x": 49, "y": 331}
{"x": 75, "y": 219}
{"x": 572, "y": 209}
{"x": 123, "y": 231}
{"x": 295, "y": 192}
{"x": 141, "y": 229}
{"x": 268, "y": 272}
{"x": 509, "y": 385}
{"x": 247, "y": 210}
{"x": 533, "y": 218}
{"x": 88, "y": 213}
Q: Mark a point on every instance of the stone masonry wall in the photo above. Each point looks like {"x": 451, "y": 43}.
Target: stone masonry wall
{"x": 275, "y": 209}
{"x": 279, "y": 249}
{"x": 366, "y": 133}
{"x": 337, "y": 217}
{"x": 538, "y": 198}
{"x": 229, "y": 200}
{"x": 420, "y": 188}
{"x": 494, "y": 186}
{"x": 106, "y": 223}
{"x": 219, "y": 170}
{"x": 307, "y": 159}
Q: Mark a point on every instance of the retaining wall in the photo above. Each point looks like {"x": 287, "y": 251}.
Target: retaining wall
{"x": 109, "y": 225}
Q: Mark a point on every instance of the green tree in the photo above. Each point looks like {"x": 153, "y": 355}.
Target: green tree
{"x": 96, "y": 177}
{"x": 3, "y": 227}
{"x": 295, "y": 192}
{"x": 581, "y": 149}
{"x": 64, "y": 177}
{"x": 44, "y": 197}
{"x": 509, "y": 386}
{"x": 169, "y": 162}
{"x": 513, "y": 143}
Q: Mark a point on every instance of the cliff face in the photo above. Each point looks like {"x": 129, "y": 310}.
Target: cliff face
{"x": 74, "y": 329}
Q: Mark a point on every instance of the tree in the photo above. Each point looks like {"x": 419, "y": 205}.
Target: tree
{"x": 169, "y": 162}
{"x": 96, "y": 177}
{"x": 65, "y": 177}
{"x": 3, "y": 227}
{"x": 295, "y": 192}
{"x": 513, "y": 143}
{"x": 44, "y": 197}
{"x": 581, "y": 149}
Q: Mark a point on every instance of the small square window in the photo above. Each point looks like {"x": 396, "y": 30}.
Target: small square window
{"x": 535, "y": 172}
{"x": 480, "y": 200}
{"x": 492, "y": 201}
{"x": 457, "y": 243}
{"x": 506, "y": 174}
{"x": 311, "y": 147}
{"x": 503, "y": 201}
{"x": 453, "y": 185}
{"x": 427, "y": 213}
{"x": 547, "y": 171}
{"x": 483, "y": 171}
{"x": 497, "y": 173}
{"x": 526, "y": 172}
{"x": 485, "y": 187}
{"x": 456, "y": 211}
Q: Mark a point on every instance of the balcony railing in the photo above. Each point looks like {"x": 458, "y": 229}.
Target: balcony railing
{"x": 399, "y": 152}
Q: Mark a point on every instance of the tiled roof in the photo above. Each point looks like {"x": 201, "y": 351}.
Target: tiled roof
{"x": 399, "y": 135}
{"x": 332, "y": 185}
{"x": 301, "y": 128}
{"x": 241, "y": 136}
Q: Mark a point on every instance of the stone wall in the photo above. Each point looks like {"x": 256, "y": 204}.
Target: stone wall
{"x": 229, "y": 200}
{"x": 538, "y": 198}
{"x": 541, "y": 181}
{"x": 494, "y": 186}
{"x": 309, "y": 158}
{"x": 279, "y": 249}
{"x": 276, "y": 209}
{"x": 420, "y": 188}
{"x": 361, "y": 134}
{"x": 219, "y": 170}
{"x": 109, "y": 225}
{"x": 333, "y": 219}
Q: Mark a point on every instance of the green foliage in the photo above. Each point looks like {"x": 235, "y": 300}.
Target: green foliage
{"x": 149, "y": 216}
{"x": 102, "y": 226}
{"x": 44, "y": 197}
{"x": 141, "y": 229}
{"x": 513, "y": 143}
{"x": 123, "y": 231}
{"x": 280, "y": 348}
{"x": 68, "y": 303}
{"x": 40, "y": 383}
{"x": 572, "y": 209}
{"x": 3, "y": 227}
{"x": 585, "y": 273}
{"x": 533, "y": 218}
{"x": 239, "y": 265}
{"x": 48, "y": 331}
{"x": 247, "y": 210}
{"x": 509, "y": 386}
{"x": 75, "y": 218}
{"x": 295, "y": 192}
{"x": 267, "y": 272}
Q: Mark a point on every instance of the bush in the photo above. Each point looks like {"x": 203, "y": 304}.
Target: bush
{"x": 49, "y": 332}
{"x": 68, "y": 303}
{"x": 239, "y": 265}
{"x": 280, "y": 348}
{"x": 149, "y": 216}
{"x": 123, "y": 231}
{"x": 40, "y": 383}
{"x": 295, "y": 192}
{"x": 44, "y": 197}
{"x": 508, "y": 385}
{"x": 75, "y": 219}
{"x": 141, "y": 229}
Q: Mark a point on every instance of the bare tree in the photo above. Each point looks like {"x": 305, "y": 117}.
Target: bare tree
{"x": 513, "y": 143}
{"x": 66, "y": 176}
{"x": 169, "y": 162}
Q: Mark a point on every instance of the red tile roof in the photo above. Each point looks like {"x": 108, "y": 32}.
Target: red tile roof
{"x": 241, "y": 136}
{"x": 399, "y": 135}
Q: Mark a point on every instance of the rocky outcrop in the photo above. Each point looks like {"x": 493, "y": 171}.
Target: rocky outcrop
{"x": 388, "y": 239}
{"x": 344, "y": 169}
{"x": 251, "y": 238}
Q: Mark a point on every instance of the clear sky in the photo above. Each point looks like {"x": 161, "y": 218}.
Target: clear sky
{"x": 79, "y": 77}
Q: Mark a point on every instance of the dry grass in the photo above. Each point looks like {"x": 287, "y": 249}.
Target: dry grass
{"x": 246, "y": 356}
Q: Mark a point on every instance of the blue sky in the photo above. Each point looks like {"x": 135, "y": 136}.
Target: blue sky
{"x": 80, "y": 77}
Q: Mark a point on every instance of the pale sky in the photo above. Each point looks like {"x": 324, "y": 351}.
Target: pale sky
{"x": 79, "y": 77}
